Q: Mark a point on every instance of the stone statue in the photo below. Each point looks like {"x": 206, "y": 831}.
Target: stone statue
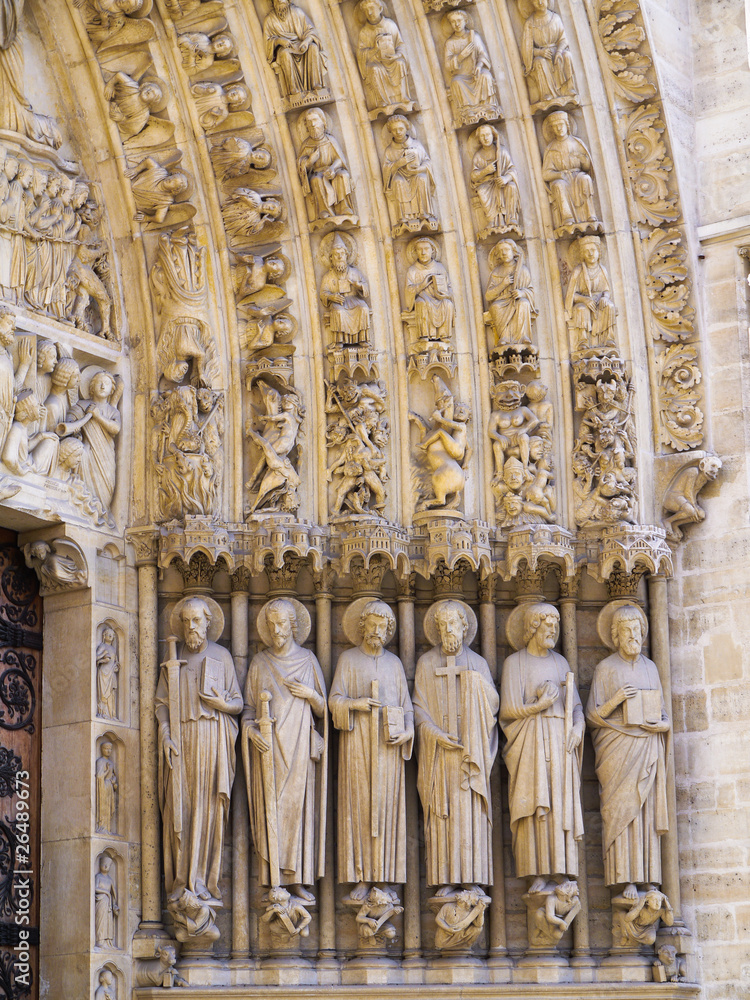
{"x": 459, "y": 919}
{"x": 429, "y": 296}
{"x": 156, "y": 188}
{"x": 511, "y": 425}
{"x": 295, "y": 53}
{"x": 85, "y": 280}
{"x": 105, "y": 905}
{"x": 629, "y": 728}
{"x": 274, "y": 477}
{"x": 550, "y": 912}
{"x": 197, "y": 700}
{"x": 214, "y": 103}
{"x": 443, "y": 451}
{"x": 107, "y": 988}
{"x": 455, "y": 704}
{"x": 106, "y": 791}
{"x": 344, "y": 292}
{"x": 590, "y": 311}
{"x": 132, "y": 105}
{"x": 547, "y": 63}
{"x": 510, "y": 296}
{"x": 472, "y": 89}
{"x": 23, "y": 441}
{"x": 493, "y": 178}
{"x": 381, "y": 57}
{"x": 247, "y": 212}
{"x": 567, "y": 172}
{"x": 235, "y": 156}
{"x": 542, "y": 718}
{"x": 107, "y": 669}
{"x": 407, "y": 179}
{"x": 12, "y": 381}
{"x": 199, "y": 50}
{"x": 285, "y": 751}
{"x": 57, "y": 570}
{"x": 16, "y": 114}
{"x": 194, "y": 918}
{"x": 680, "y": 505}
{"x": 286, "y": 915}
{"x": 635, "y": 920}
{"x": 370, "y": 705}
{"x": 669, "y": 966}
{"x": 161, "y": 970}
{"x": 374, "y": 914}
{"x": 99, "y": 422}
{"x": 322, "y": 171}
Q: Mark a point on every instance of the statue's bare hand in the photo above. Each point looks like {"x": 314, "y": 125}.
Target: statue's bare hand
{"x": 170, "y": 751}
{"x": 257, "y": 740}
{"x": 396, "y": 741}
{"x": 655, "y": 727}
{"x": 365, "y": 704}
{"x": 573, "y": 740}
{"x": 448, "y": 742}
{"x": 625, "y": 692}
{"x": 300, "y": 690}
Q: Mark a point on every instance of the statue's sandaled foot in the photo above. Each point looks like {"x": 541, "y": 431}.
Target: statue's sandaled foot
{"x": 302, "y": 892}
{"x": 359, "y": 892}
{"x": 538, "y": 885}
{"x": 446, "y": 890}
{"x": 630, "y": 891}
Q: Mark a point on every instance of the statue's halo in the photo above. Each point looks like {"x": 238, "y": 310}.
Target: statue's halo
{"x": 431, "y": 629}
{"x": 352, "y": 615}
{"x": 301, "y": 630}
{"x": 604, "y": 621}
{"x": 217, "y": 617}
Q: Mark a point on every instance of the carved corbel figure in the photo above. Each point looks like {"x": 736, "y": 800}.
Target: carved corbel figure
{"x": 551, "y": 910}
{"x": 459, "y": 918}
{"x": 373, "y": 916}
{"x": 160, "y": 970}
{"x": 286, "y": 915}
{"x": 670, "y": 966}
{"x": 680, "y": 505}
{"x": 635, "y": 921}
{"x": 60, "y": 565}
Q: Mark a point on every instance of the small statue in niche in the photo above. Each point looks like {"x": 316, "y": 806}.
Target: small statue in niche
{"x": 107, "y": 988}
{"x": 295, "y": 53}
{"x": 511, "y": 424}
{"x": 286, "y": 915}
{"x": 322, "y": 171}
{"x": 106, "y": 790}
{"x": 161, "y": 970}
{"x": 547, "y": 63}
{"x": 362, "y": 430}
{"x": 680, "y": 505}
{"x": 156, "y": 188}
{"x": 99, "y": 421}
{"x": 56, "y": 570}
{"x": 373, "y": 916}
{"x": 510, "y": 296}
{"x": 455, "y": 704}
{"x": 107, "y": 669}
{"x": 459, "y": 919}
{"x": 443, "y": 451}
{"x": 636, "y": 921}
{"x": 670, "y": 967}
{"x": 550, "y": 912}
{"x": 344, "y": 291}
{"x": 493, "y": 178}
{"x": 235, "y": 156}
{"x": 472, "y": 89}
{"x": 199, "y": 50}
{"x": 105, "y": 905}
{"x": 12, "y": 379}
{"x": 274, "y": 476}
{"x": 407, "y": 179}
{"x": 248, "y": 212}
{"x": 589, "y": 309}
{"x": 629, "y": 725}
{"x": 214, "y": 103}
{"x": 381, "y": 57}
{"x": 429, "y": 296}
{"x": 567, "y": 172}
{"x": 132, "y": 105}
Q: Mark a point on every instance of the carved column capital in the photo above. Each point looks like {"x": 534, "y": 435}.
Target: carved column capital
{"x": 198, "y": 574}
{"x": 487, "y": 588}
{"x": 241, "y": 579}
{"x": 569, "y": 584}
{"x": 323, "y": 580}
{"x": 145, "y": 541}
{"x": 368, "y": 578}
{"x": 406, "y": 587}
{"x": 283, "y": 579}
{"x": 450, "y": 582}
{"x": 622, "y": 584}
{"x": 530, "y": 582}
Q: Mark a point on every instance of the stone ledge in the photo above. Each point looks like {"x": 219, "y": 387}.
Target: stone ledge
{"x": 530, "y": 991}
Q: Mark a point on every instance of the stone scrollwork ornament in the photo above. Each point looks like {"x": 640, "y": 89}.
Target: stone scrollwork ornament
{"x": 274, "y": 479}
{"x": 381, "y": 58}
{"x": 493, "y": 179}
{"x": 567, "y": 171}
{"x": 443, "y": 452}
{"x": 547, "y": 62}
{"x": 542, "y": 718}
{"x": 285, "y": 749}
{"x": 472, "y": 89}
{"x": 681, "y": 424}
{"x": 323, "y": 173}
{"x": 295, "y": 53}
{"x": 408, "y": 181}
{"x": 196, "y": 706}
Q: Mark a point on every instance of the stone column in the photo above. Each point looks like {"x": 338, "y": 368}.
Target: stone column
{"x": 412, "y": 903}
{"x": 323, "y": 582}
{"x": 488, "y": 622}
{"x": 659, "y": 629}
{"x": 148, "y": 648}
{"x": 581, "y": 954}
{"x": 240, "y": 817}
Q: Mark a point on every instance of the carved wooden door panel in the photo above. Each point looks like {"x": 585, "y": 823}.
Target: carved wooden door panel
{"x": 20, "y": 772}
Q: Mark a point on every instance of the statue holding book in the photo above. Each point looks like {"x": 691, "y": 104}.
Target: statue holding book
{"x": 630, "y": 728}
{"x": 197, "y": 702}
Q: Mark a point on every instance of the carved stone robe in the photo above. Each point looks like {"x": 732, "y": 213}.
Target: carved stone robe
{"x": 298, "y": 71}
{"x": 362, "y": 857}
{"x": 454, "y": 785}
{"x": 497, "y": 192}
{"x": 350, "y": 318}
{"x": 632, "y": 772}
{"x": 543, "y": 38}
{"x": 566, "y": 169}
{"x": 192, "y": 857}
{"x": 299, "y": 763}
{"x": 408, "y": 180}
{"x": 597, "y": 328}
{"x": 511, "y": 316}
{"x": 381, "y": 57}
{"x": 544, "y": 788}
{"x": 468, "y": 66}
{"x": 433, "y": 305}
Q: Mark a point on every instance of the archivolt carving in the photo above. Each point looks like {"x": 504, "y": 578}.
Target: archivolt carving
{"x": 679, "y": 377}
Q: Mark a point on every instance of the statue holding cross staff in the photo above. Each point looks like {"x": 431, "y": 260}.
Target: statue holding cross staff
{"x": 455, "y": 705}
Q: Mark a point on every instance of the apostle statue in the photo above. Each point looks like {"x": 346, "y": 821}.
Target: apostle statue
{"x": 322, "y": 171}
{"x": 197, "y": 699}
{"x": 428, "y": 294}
{"x": 472, "y": 88}
{"x": 630, "y": 728}
{"x": 493, "y": 178}
{"x": 542, "y": 718}
{"x": 407, "y": 178}
{"x": 294, "y": 51}
{"x": 344, "y": 291}
{"x": 547, "y": 63}
{"x": 455, "y": 704}
{"x": 284, "y": 747}
{"x": 567, "y": 169}
{"x": 370, "y": 705}
{"x": 589, "y": 308}
{"x": 510, "y": 296}
{"x": 381, "y": 57}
